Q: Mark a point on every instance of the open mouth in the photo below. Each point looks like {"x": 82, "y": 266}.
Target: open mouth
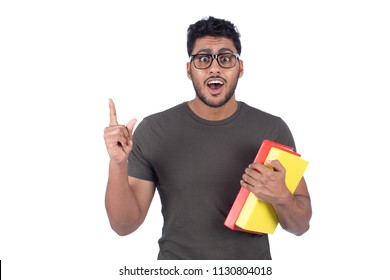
{"x": 215, "y": 85}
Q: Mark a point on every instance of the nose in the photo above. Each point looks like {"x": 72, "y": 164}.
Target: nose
{"x": 214, "y": 67}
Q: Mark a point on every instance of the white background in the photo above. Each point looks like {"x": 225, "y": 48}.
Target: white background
{"x": 323, "y": 66}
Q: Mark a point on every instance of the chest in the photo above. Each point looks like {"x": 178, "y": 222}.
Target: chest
{"x": 208, "y": 162}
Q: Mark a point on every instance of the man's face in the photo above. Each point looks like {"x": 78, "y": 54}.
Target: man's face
{"x": 215, "y": 85}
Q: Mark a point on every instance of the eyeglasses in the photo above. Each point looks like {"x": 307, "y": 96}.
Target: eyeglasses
{"x": 225, "y": 60}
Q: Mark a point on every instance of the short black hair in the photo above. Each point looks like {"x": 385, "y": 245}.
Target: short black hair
{"x": 214, "y": 27}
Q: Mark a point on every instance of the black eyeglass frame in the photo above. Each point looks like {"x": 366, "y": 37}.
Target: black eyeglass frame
{"x": 215, "y": 56}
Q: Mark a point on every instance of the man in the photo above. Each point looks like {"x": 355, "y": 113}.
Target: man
{"x": 197, "y": 155}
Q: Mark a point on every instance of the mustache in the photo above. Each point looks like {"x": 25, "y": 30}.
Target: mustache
{"x": 214, "y": 77}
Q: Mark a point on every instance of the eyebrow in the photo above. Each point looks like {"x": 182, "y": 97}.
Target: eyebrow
{"x": 209, "y": 51}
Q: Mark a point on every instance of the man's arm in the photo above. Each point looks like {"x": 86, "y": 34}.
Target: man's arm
{"x": 127, "y": 199}
{"x": 293, "y": 210}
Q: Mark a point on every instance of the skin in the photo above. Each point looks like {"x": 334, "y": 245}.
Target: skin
{"x": 128, "y": 199}
{"x": 222, "y": 106}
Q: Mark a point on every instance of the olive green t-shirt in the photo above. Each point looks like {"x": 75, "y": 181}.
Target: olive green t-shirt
{"x": 197, "y": 166}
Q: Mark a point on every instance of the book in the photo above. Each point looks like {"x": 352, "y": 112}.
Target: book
{"x": 243, "y": 193}
{"x": 247, "y": 212}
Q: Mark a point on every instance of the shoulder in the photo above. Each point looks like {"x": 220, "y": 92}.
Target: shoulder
{"x": 168, "y": 113}
{"x": 162, "y": 120}
{"x": 273, "y": 127}
{"x": 257, "y": 114}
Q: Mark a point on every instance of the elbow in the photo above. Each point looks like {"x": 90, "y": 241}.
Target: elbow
{"x": 123, "y": 225}
{"x": 304, "y": 225}
{"x": 302, "y": 230}
{"x": 297, "y": 230}
{"x": 123, "y": 229}
{"x": 121, "y": 232}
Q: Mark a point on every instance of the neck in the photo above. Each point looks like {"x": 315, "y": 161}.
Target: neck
{"x": 213, "y": 114}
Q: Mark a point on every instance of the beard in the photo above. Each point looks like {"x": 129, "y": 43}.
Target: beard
{"x": 215, "y": 104}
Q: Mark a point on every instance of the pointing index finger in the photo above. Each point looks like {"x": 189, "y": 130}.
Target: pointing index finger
{"x": 113, "y": 120}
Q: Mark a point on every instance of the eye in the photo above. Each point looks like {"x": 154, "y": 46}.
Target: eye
{"x": 225, "y": 58}
{"x": 204, "y": 58}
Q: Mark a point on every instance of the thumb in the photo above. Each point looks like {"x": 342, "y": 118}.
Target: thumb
{"x": 276, "y": 165}
{"x": 130, "y": 127}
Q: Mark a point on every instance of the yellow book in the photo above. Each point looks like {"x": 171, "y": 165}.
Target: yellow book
{"x": 259, "y": 216}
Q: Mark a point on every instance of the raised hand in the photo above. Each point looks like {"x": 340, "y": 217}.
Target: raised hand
{"x": 118, "y": 138}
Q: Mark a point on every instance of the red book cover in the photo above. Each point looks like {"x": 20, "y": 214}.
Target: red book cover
{"x": 239, "y": 202}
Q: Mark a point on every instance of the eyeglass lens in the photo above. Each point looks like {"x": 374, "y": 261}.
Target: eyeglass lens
{"x": 225, "y": 60}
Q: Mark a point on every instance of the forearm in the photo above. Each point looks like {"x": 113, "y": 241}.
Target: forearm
{"x": 294, "y": 213}
{"x": 121, "y": 205}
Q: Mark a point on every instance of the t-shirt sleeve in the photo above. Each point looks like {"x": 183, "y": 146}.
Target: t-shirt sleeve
{"x": 139, "y": 164}
{"x": 285, "y": 136}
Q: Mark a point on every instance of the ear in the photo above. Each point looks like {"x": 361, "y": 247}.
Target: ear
{"x": 189, "y": 70}
{"x": 241, "y": 68}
